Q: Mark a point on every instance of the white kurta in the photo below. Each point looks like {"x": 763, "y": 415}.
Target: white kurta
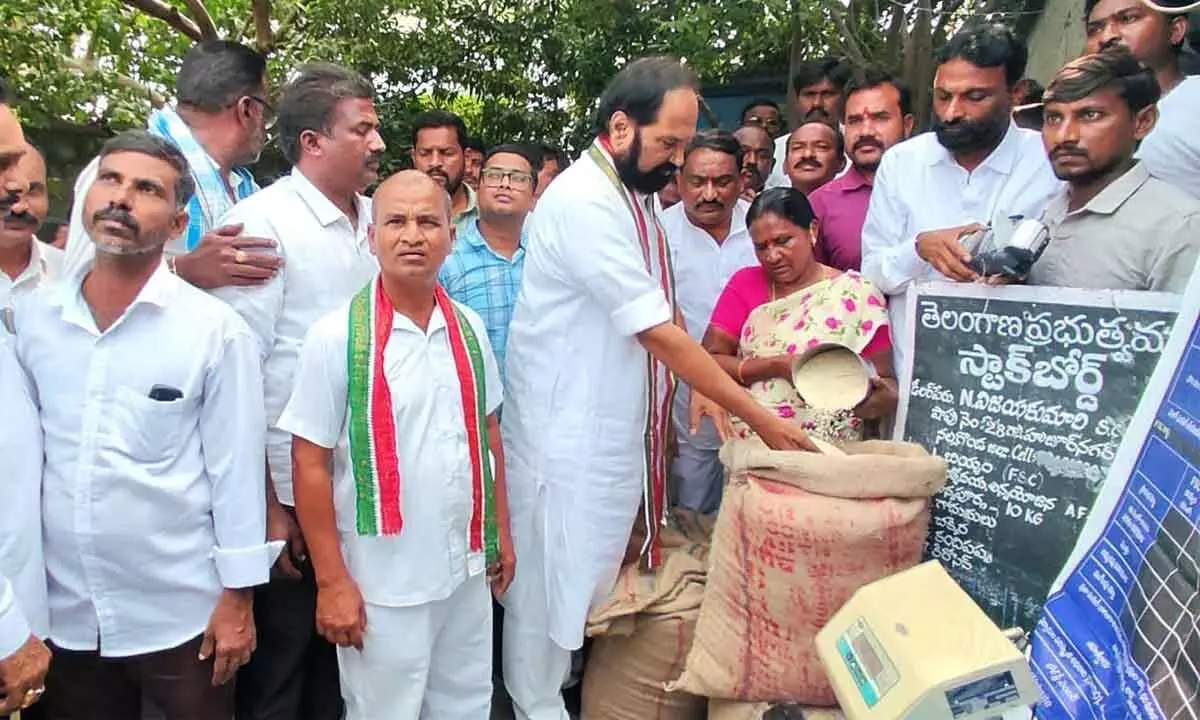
{"x": 576, "y": 397}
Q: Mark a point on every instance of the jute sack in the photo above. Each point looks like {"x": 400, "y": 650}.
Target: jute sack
{"x": 644, "y": 631}
{"x": 797, "y": 534}
{"x": 685, "y": 541}
{"x": 626, "y": 675}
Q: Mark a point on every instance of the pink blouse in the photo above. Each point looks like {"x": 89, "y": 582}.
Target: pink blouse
{"x": 749, "y": 288}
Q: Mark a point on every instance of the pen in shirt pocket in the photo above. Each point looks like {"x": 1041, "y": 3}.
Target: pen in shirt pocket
{"x": 165, "y": 393}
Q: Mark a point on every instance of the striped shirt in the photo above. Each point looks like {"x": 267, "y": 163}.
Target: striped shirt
{"x": 485, "y": 281}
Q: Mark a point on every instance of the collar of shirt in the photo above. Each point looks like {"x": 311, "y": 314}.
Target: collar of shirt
{"x": 211, "y": 200}
{"x": 44, "y": 261}
{"x": 322, "y": 207}
{"x": 1112, "y": 197}
{"x": 472, "y": 208}
{"x": 470, "y": 233}
{"x": 68, "y": 295}
{"x": 851, "y": 181}
{"x": 1001, "y": 160}
{"x": 737, "y": 221}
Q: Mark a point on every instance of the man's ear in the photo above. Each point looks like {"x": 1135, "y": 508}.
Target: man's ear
{"x": 1144, "y": 121}
{"x": 909, "y": 121}
{"x": 179, "y": 224}
{"x": 1178, "y": 30}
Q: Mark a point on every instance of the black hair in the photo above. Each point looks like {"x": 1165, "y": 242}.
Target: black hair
{"x": 839, "y": 140}
{"x": 987, "y": 45}
{"x": 217, "y": 73}
{"x": 871, "y": 77}
{"x": 810, "y": 72}
{"x": 529, "y": 152}
{"x": 760, "y": 102}
{"x": 308, "y": 102}
{"x": 144, "y": 143}
{"x": 473, "y": 143}
{"x": 638, "y": 90}
{"x": 431, "y": 119}
{"x": 1114, "y": 68}
{"x": 786, "y": 202}
{"x": 721, "y": 141}
{"x": 6, "y": 94}
{"x": 550, "y": 152}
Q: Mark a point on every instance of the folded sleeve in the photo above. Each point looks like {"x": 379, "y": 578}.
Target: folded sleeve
{"x": 600, "y": 250}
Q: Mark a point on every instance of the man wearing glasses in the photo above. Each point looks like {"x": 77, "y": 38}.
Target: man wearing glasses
{"x": 219, "y": 123}
{"x": 484, "y": 270}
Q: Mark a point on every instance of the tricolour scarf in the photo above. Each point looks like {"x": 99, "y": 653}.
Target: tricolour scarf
{"x": 660, "y": 380}
{"x": 373, "y": 454}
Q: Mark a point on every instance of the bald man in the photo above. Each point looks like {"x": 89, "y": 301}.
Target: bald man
{"x": 409, "y": 529}
{"x": 25, "y": 262}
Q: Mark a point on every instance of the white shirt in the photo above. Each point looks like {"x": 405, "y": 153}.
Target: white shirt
{"x": 919, "y": 187}
{"x": 429, "y": 559}
{"x": 1172, "y": 149}
{"x": 325, "y": 261}
{"x": 702, "y": 268}
{"x": 779, "y": 176}
{"x": 149, "y": 508}
{"x": 577, "y": 387}
{"x": 23, "y": 601}
{"x": 45, "y": 264}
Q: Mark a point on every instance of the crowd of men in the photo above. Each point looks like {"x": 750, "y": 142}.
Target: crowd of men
{"x": 300, "y": 437}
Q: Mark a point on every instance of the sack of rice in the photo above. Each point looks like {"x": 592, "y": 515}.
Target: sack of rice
{"x": 626, "y": 675}
{"x": 797, "y": 534}
{"x": 685, "y": 545}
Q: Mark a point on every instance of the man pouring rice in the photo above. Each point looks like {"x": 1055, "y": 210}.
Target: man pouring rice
{"x": 592, "y": 357}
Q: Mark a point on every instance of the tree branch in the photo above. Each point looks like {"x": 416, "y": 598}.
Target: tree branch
{"x": 204, "y": 21}
{"x": 262, "y": 25}
{"x": 169, "y": 15}
{"x": 86, "y": 67}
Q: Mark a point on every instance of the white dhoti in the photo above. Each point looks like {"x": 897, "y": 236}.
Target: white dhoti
{"x": 427, "y": 662}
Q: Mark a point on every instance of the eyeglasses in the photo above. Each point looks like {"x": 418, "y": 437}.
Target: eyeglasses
{"x": 495, "y": 177}
{"x": 268, "y": 110}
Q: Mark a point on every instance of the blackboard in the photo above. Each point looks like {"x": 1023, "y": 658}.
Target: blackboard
{"x": 1026, "y": 392}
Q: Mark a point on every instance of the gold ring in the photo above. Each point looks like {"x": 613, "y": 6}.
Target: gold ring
{"x": 239, "y": 257}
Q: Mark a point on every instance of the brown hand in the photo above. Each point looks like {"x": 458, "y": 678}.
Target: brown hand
{"x": 23, "y": 676}
{"x": 230, "y": 636}
{"x": 943, "y": 250}
{"x": 225, "y": 258}
{"x": 282, "y": 526}
{"x": 341, "y": 613}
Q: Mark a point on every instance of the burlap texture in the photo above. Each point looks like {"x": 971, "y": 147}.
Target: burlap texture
{"x": 797, "y": 534}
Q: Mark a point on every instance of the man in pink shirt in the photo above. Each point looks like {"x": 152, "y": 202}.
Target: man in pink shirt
{"x": 878, "y": 114}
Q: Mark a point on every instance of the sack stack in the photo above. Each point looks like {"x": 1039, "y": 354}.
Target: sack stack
{"x": 797, "y": 534}
{"x": 644, "y": 631}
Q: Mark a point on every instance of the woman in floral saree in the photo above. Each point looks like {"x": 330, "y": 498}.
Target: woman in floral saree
{"x": 787, "y": 304}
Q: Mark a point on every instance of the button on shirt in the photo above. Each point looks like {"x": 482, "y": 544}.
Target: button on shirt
{"x": 919, "y": 186}
{"x": 841, "y": 209}
{"x": 429, "y": 558}
{"x": 325, "y": 261}
{"x": 45, "y": 264}
{"x": 150, "y": 507}
{"x": 485, "y": 281}
{"x": 22, "y": 570}
{"x": 702, "y": 267}
{"x": 1139, "y": 233}
{"x": 1172, "y": 149}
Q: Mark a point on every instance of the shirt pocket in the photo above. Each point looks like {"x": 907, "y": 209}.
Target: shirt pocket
{"x": 147, "y": 430}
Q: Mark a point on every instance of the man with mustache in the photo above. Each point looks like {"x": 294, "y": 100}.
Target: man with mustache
{"x": 757, "y": 159}
{"x": 878, "y": 115}
{"x": 439, "y": 149}
{"x": 25, "y": 261}
{"x": 976, "y": 168}
{"x": 153, "y": 513}
{"x": 593, "y": 349}
{"x": 818, "y": 85}
{"x": 219, "y": 122}
{"x": 816, "y": 154}
{"x": 709, "y": 242}
{"x": 1114, "y": 226}
{"x": 400, "y": 474}
{"x": 24, "y": 615}
{"x": 317, "y": 216}
{"x": 1172, "y": 149}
